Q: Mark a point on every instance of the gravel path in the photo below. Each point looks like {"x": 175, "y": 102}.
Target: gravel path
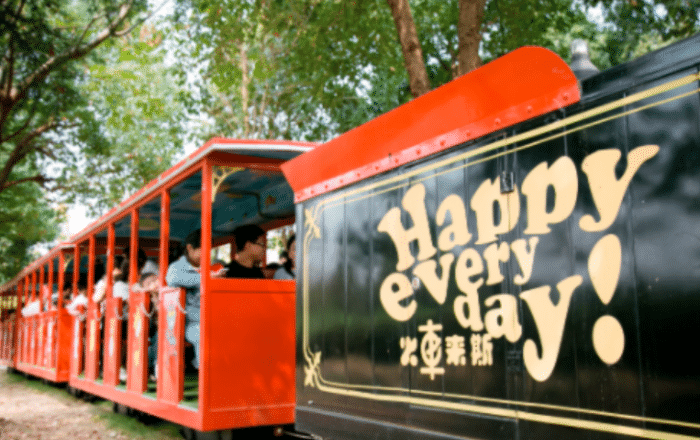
{"x": 52, "y": 414}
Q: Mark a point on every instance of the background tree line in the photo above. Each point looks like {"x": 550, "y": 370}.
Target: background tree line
{"x": 98, "y": 97}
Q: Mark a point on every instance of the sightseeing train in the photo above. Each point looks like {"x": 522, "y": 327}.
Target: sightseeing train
{"x": 515, "y": 254}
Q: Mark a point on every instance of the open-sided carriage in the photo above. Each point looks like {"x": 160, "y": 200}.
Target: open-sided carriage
{"x": 35, "y": 325}
{"x": 246, "y": 332}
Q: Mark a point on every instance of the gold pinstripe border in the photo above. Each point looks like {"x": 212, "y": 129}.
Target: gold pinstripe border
{"x": 426, "y": 398}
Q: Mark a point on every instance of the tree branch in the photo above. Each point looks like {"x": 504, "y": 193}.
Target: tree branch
{"x": 39, "y": 178}
{"x": 75, "y": 52}
{"x": 410, "y": 46}
{"x": 21, "y": 150}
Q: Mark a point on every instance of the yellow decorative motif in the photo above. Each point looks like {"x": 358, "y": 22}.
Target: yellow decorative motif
{"x": 66, "y": 261}
{"x": 311, "y": 223}
{"x": 93, "y": 324}
{"x": 137, "y": 358}
{"x": 218, "y": 175}
{"x": 312, "y": 370}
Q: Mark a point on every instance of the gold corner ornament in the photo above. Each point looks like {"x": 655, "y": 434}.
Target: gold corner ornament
{"x": 218, "y": 175}
{"x": 311, "y": 223}
{"x": 312, "y": 371}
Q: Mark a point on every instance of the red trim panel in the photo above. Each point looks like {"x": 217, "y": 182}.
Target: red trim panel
{"x": 527, "y": 82}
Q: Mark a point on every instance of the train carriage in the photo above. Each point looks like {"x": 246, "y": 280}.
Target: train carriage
{"x": 246, "y": 365}
{"x": 508, "y": 256}
{"x": 34, "y": 319}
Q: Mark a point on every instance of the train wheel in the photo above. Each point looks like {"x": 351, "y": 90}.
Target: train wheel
{"x": 118, "y": 408}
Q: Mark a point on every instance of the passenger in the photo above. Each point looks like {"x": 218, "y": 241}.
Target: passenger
{"x": 270, "y": 269}
{"x": 250, "y": 241}
{"x": 79, "y": 303}
{"x": 287, "y": 271}
{"x": 120, "y": 288}
{"x": 184, "y": 272}
{"x": 149, "y": 283}
{"x": 143, "y": 263}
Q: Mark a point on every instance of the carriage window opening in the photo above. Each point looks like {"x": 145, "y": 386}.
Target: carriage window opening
{"x": 185, "y": 258}
{"x": 147, "y": 254}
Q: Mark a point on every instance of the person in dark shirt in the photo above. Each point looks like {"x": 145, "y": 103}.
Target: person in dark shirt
{"x": 250, "y": 241}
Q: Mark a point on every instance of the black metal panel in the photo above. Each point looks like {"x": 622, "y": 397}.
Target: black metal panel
{"x": 587, "y": 279}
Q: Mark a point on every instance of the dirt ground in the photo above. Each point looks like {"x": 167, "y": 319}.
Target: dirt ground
{"x": 30, "y": 410}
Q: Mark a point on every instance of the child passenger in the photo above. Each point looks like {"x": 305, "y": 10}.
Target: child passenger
{"x": 184, "y": 272}
{"x": 286, "y": 272}
{"x": 149, "y": 283}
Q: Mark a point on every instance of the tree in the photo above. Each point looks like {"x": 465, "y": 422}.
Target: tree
{"x": 42, "y": 109}
{"x": 634, "y": 27}
{"x": 143, "y": 107}
{"x": 324, "y": 67}
{"x": 26, "y": 219}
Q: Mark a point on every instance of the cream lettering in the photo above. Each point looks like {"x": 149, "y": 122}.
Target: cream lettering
{"x": 494, "y": 255}
{"x": 503, "y": 320}
{"x": 549, "y": 320}
{"x": 490, "y": 259}
{"x": 606, "y": 190}
{"x": 562, "y": 177}
{"x": 525, "y": 259}
{"x": 457, "y": 233}
{"x": 488, "y": 196}
{"x": 466, "y": 307}
{"x": 413, "y": 202}
{"x": 437, "y": 287}
{"x": 396, "y": 288}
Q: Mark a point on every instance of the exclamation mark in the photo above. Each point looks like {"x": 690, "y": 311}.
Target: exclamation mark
{"x": 604, "y": 266}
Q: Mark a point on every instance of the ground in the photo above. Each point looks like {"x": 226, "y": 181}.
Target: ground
{"x": 34, "y": 411}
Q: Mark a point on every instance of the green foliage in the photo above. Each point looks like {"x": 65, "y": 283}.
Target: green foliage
{"x": 635, "y": 27}
{"x": 87, "y": 115}
{"x": 143, "y": 108}
{"x": 26, "y": 219}
{"x": 314, "y": 69}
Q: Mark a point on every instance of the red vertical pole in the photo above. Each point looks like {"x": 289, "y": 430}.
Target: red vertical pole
{"x": 50, "y": 319}
{"x": 205, "y": 266}
{"x": 61, "y": 278}
{"x": 93, "y": 318}
{"x": 77, "y": 349}
{"x": 34, "y": 321}
{"x": 41, "y": 317}
{"x": 133, "y": 247}
{"x": 164, "y": 234}
{"x": 59, "y": 328}
{"x": 27, "y": 336}
{"x": 18, "y": 325}
{"x": 50, "y": 282}
{"x": 76, "y": 268}
{"x": 111, "y": 354}
{"x": 110, "y": 259}
{"x": 170, "y": 361}
{"x": 137, "y": 356}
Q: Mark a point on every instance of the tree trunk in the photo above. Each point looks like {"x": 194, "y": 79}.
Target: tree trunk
{"x": 245, "y": 81}
{"x": 410, "y": 46}
{"x": 471, "y": 14}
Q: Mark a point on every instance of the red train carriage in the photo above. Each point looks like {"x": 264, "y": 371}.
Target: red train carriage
{"x": 8, "y": 306}
{"x": 35, "y": 324}
{"x": 246, "y": 326}
{"x": 505, "y": 257}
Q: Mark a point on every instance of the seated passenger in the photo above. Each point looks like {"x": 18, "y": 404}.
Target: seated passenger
{"x": 79, "y": 303}
{"x": 286, "y": 272}
{"x": 143, "y": 263}
{"x": 184, "y": 272}
{"x": 250, "y": 241}
{"x": 149, "y": 283}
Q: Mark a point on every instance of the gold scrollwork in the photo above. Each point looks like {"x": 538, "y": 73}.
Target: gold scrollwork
{"x": 311, "y": 371}
{"x": 218, "y": 175}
